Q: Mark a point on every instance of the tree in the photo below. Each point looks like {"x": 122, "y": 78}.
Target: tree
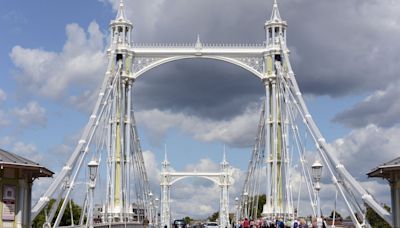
{"x": 261, "y": 201}
{"x": 375, "y": 220}
{"x": 231, "y": 217}
{"x": 187, "y": 219}
{"x": 214, "y": 217}
{"x": 66, "y": 218}
{"x": 338, "y": 216}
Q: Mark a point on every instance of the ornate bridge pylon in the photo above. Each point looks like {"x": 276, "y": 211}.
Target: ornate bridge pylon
{"x": 111, "y": 134}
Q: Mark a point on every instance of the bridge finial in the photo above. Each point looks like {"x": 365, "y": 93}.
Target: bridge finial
{"x": 224, "y": 163}
{"x": 224, "y": 156}
{"x": 198, "y": 43}
{"x": 165, "y": 163}
{"x": 275, "y": 16}
{"x": 121, "y": 11}
{"x": 165, "y": 153}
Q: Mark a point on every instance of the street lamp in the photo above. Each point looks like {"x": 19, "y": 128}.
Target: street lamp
{"x": 316, "y": 173}
{"x": 156, "y": 207}
{"x": 151, "y": 209}
{"x": 245, "y": 195}
{"x": 93, "y": 165}
{"x": 237, "y": 211}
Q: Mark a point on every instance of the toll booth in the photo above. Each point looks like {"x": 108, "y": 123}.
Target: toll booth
{"x": 17, "y": 175}
{"x": 391, "y": 172}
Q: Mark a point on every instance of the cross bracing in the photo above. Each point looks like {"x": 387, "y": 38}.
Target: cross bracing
{"x": 284, "y": 126}
{"x": 285, "y": 132}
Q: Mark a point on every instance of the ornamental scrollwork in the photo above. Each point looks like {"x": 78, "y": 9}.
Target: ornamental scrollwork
{"x": 141, "y": 62}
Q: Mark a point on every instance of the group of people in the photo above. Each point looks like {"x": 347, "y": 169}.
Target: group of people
{"x": 277, "y": 223}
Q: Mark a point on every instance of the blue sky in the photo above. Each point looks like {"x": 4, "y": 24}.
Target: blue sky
{"x": 336, "y": 53}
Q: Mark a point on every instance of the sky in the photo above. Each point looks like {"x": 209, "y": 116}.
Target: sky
{"x": 344, "y": 54}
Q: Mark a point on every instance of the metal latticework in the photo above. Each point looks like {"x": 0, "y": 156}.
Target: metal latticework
{"x": 287, "y": 139}
{"x": 110, "y": 135}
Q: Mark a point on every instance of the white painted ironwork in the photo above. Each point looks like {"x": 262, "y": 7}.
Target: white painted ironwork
{"x": 111, "y": 130}
{"x": 223, "y": 179}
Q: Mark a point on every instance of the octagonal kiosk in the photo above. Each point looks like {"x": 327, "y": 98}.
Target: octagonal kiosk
{"x": 391, "y": 172}
{"x": 16, "y": 177}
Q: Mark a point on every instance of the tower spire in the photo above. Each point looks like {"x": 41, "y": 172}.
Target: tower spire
{"x": 121, "y": 11}
{"x": 165, "y": 163}
{"x": 275, "y": 16}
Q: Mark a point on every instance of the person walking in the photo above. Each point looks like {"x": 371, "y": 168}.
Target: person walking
{"x": 246, "y": 223}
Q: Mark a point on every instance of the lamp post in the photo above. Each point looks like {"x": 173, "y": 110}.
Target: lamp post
{"x": 246, "y": 212}
{"x": 237, "y": 211}
{"x": 316, "y": 173}
{"x": 156, "y": 207}
{"x": 151, "y": 209}
{"x": 93, "y": 165}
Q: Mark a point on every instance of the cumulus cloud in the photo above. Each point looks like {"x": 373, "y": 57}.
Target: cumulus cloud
{"x": 193, "y": 191}
{"x": 27, "y": 150}
{"x": 381, "y": 108}
{"x": 239, "y": 131}
{"x": 338, "y": 45}
{"x": 31, "y": 114}
{"x": 356, "y": 149}
{"x": 80, "y": 64}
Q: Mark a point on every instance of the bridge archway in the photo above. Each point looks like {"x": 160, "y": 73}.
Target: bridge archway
{"x": 223, "y": 179}
{"x": 254, "y": 66}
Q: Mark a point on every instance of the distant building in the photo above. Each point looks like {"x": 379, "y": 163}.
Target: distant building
{"x": 16, "y": 177}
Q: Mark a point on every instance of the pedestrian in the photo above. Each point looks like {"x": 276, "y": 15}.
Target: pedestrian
{"x": 246, "y": 223}
{"x": 295, "y": 224}
{"x": 303, "y": 223}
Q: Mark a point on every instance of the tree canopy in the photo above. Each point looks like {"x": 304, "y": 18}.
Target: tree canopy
{"x": 375, "y": 220}
{"x": 65, "y": 220}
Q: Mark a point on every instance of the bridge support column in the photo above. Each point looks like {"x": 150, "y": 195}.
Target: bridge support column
{"x": 224, "y": 206}
{"x": 165, "y": 206}
{"x": 224, "y": 194}
{"x": 165, "y": 194}
{"x": 395, "y": 193}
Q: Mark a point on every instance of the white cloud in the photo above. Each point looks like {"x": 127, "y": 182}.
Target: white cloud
{"x": 3, "y": 118}
{"x": 238, "y": 131}
{"x": 3, "y": 115}
{"x": 380, "y": 108}
{"x": 28, "y": 151}
{"x": 193, "y": 191}
{"x": 357, "y": 149}
{"x": 31, "y": 114}
{"x": 5, "y": 141}
{"x": 81, "y": 64}
{"x": 3, "y": 96}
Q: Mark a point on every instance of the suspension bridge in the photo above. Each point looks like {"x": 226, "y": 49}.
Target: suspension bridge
{"x": 289, "y": 144}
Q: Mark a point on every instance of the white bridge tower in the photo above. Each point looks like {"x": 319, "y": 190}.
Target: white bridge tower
{"x": 278, "y": 200}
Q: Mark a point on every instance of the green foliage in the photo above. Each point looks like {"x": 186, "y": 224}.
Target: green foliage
{"x": 338, "y": 216}
{"x": 65, "y": 220}
{"x": 214, "y": 217}
{"x": 231, "y": 217}
{"x": 187, "y": 219}
{"x": 375, "y": 220}
{"x": 261, "y": 201}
